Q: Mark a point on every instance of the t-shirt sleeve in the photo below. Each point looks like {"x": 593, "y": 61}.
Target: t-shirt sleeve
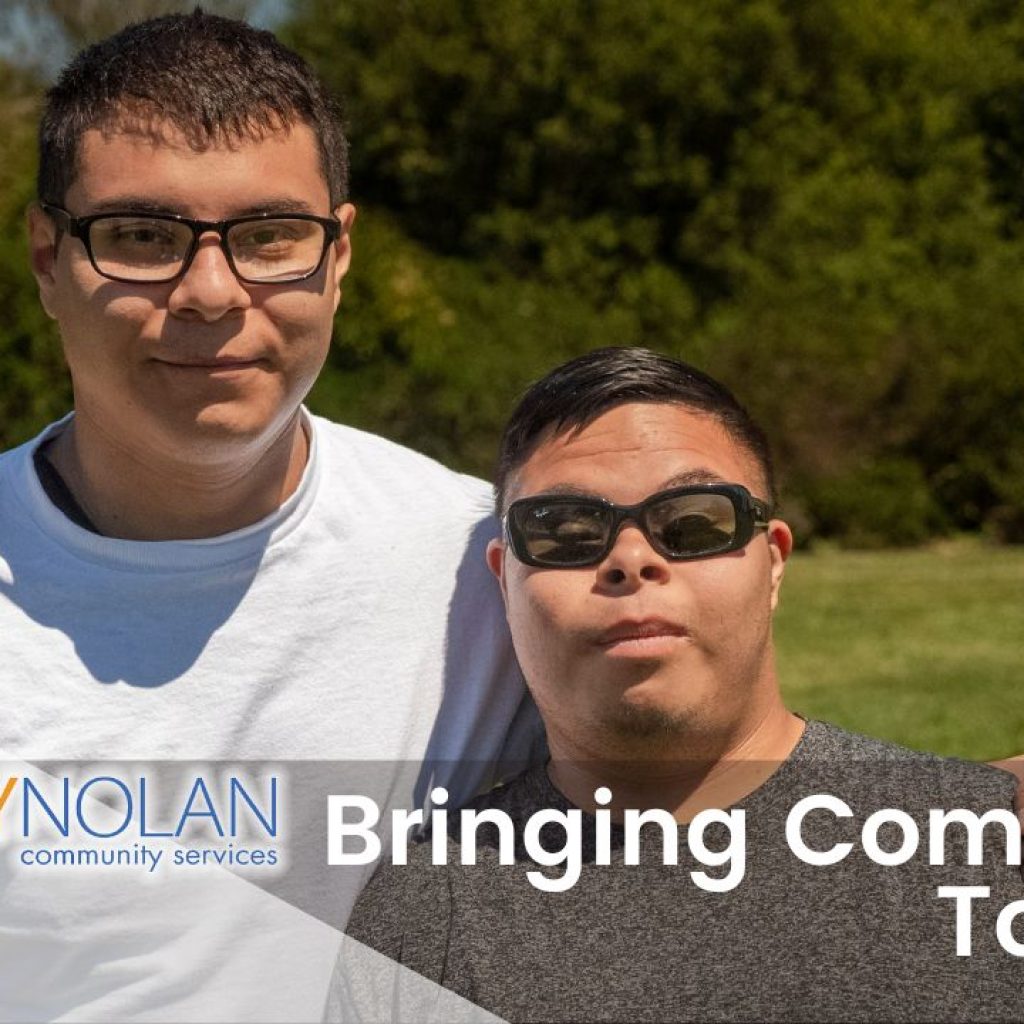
{"x": 394, "y": 954}
{"x": 405, "y": 913}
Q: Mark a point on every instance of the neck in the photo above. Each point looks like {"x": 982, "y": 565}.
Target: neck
{"x": 687, "y": 782}
{"x": 149, "y": 496}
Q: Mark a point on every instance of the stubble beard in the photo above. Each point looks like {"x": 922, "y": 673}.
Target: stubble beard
{"x": 650, "y": 723}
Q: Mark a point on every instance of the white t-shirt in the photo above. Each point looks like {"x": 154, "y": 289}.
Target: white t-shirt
{"x": 352, "y": 642}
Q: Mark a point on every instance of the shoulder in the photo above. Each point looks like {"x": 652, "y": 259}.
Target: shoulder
{"x": 405, "y": 911}
{"x": 521, "y": 796}
{"x": 404, "y": 914}
{"x": 866, "y": 763}
{"x": 361, "y": 459}
{"x": 17, "y": 472}
{"x": 397, "y": 893}
{"x": 9, "y": 463}
{"x": 23, "y": 453}
{"x": 421, "y": 879}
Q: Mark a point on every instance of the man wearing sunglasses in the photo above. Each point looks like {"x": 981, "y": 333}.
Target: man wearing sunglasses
{"x": 640, "y": 566}
{"x": 195, "y": 568}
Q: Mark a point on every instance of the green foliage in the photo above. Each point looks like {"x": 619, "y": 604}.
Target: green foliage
{"x": 35, "y": 385}
{"x": 432, "y": 352}
{"x": 885, "y": 502}
{"x": 821, "y": 203}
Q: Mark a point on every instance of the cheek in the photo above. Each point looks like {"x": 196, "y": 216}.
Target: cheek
{"x": 541, "y": 607}
{"x": 100, "y": 329}
{"x": 304, "y": 323}
{"x": 733, "y": 604}
{"x": 83, "y": 297}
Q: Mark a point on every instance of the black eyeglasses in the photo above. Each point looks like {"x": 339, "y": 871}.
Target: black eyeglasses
{"x": 560, "y": 531}
{"x": 155, "y": 248}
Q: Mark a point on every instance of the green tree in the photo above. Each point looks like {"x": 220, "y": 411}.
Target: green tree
{"x": 819, "y": 202}
{"x": 35, "y": 384}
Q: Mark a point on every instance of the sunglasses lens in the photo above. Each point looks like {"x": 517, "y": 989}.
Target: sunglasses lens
{"x": 562, "y": 534}
{"x": 689, "y": 525}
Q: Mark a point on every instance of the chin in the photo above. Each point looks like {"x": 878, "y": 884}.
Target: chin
{"x": 646, "y": 719}
{"x": 213, "y": 429}
{"x": 662, "y": 705}
{"x": 231, "y": 419}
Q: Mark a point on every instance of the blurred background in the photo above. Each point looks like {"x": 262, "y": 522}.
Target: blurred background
{"x": 820, "y": 203}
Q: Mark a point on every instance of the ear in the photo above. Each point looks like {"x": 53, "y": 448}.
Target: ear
{"x": 496, "y": 563}
{"x": 42, "y": 243}
{"x": 346, "y": 213}
{"x": 780, "y": 545}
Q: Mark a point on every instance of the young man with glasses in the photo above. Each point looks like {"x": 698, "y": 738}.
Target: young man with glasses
{"x": 641, "y": 566}
{"x": 193, "y": 567}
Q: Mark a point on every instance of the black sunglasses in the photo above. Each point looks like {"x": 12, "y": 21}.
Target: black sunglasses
{"x": 561, "y": 531}
{"x": 156, "y": 248}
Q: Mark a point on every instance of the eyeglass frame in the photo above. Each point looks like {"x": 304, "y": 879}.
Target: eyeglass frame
{"x": 752, "y": 514}
{"x": 79, "y": 227}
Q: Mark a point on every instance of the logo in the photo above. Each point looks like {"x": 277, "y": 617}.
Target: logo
{"x": 138, "y": 820}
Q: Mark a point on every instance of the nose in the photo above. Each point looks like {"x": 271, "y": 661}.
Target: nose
{"x": 209, "y": 289}
{"x": 632, "y": 562}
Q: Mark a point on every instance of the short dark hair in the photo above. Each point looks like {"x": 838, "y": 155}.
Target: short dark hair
{"x": 576, "y": 393}
{"x": 213, "y": 78}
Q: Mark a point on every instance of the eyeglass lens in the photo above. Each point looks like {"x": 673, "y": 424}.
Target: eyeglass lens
{"x": 151, "y": 249}
{"x": 566, "y": 533}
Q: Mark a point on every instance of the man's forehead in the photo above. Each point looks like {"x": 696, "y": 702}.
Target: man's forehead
{"x": 646, "y": 429}
{"x": 637, "y": 447}
{"x": 153, "y": 165}
{"x": 146, "y": 122}
{"x": 161, "y": 134}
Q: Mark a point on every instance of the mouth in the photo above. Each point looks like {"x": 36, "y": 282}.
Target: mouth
{"x": 642, "y": 636}
{"x": 217, "y": 364}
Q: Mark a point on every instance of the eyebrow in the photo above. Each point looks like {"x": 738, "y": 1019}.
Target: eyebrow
{"x": 146, "y": 204}
{"x": 692, "y": 477}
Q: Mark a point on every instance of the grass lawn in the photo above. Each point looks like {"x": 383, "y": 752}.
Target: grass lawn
{"x": 924, "y": 647}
